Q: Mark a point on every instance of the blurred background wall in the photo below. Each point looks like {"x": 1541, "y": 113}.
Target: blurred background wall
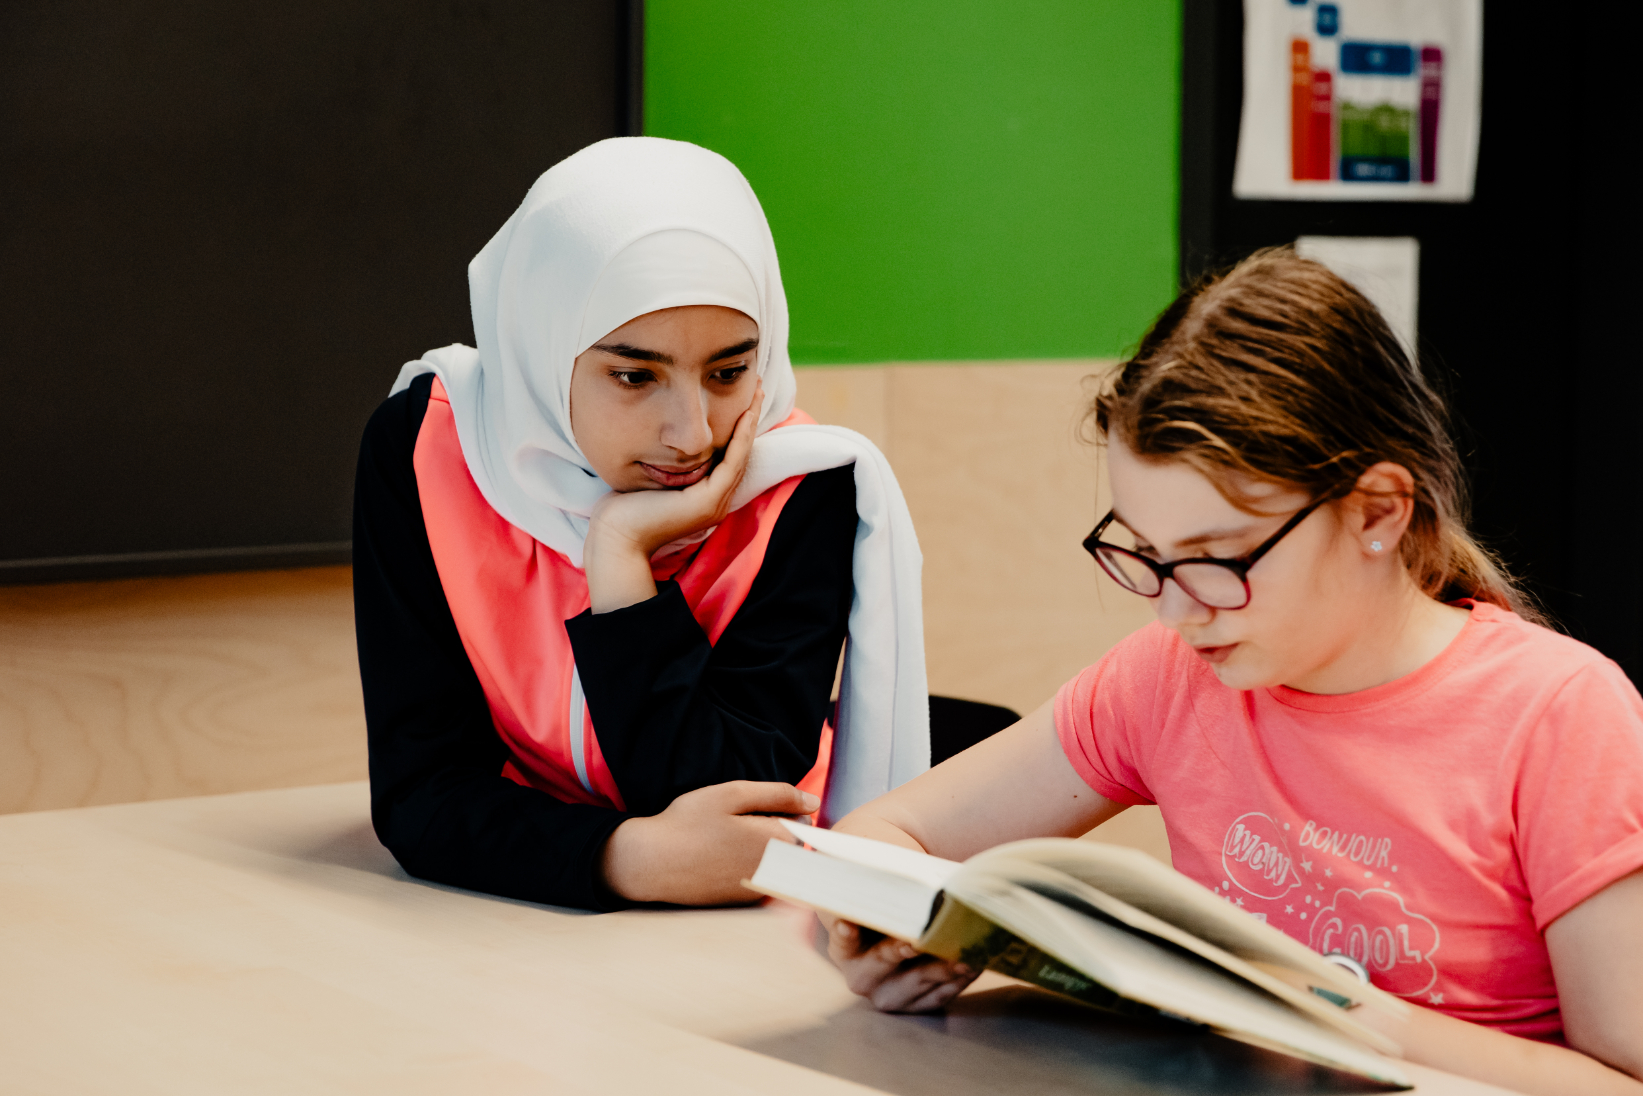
{"x": 226, "y": 227}
{"x": 990, "y": 187}
{"x": 1525, "y": 294}
{"x": 946, "y": 181}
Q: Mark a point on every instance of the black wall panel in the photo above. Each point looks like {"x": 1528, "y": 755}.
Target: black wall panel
{"x": 1527, "y": 295}
{"x": 222, "y": 229}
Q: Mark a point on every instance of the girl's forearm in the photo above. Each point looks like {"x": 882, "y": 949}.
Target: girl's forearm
{"x": 865, "y": 822}
{"x": 618, "y": 570}
{"x": 1539, "y": 1069}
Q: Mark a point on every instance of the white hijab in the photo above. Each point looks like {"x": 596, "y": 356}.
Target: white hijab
{"x": 622, "y": 228}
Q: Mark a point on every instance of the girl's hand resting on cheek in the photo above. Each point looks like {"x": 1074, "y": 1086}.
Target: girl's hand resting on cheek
{"x": 628, "y": 526}
{"x": 698, "y": 851}
{"x": 895, "y": 976}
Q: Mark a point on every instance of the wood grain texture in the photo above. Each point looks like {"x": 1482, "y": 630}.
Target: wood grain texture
{"x": 152, "y": 688}
{"x": 266, "y": 943}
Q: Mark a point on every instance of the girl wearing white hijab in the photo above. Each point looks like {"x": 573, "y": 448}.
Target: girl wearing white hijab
{"x": 603, "y": 567}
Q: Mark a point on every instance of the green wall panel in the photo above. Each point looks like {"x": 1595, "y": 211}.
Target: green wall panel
{"x": 946, "y": 180}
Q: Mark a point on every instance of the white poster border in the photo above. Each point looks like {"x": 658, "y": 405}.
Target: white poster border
{"x": 1263, "y": 165}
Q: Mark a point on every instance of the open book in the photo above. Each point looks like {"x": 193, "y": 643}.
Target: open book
{"x": 1105, "y": 925}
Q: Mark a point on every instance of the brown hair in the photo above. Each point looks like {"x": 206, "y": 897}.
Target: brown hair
{"x": 1279, "y": 371}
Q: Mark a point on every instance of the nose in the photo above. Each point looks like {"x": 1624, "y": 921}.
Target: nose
{"x": 1177, "y": 608}
{"x": 685, "y": 425}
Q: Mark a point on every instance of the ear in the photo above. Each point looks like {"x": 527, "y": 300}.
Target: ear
{"x": 1379, "y": 509}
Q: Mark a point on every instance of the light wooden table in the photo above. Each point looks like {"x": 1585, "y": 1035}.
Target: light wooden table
{"x": 264, "y": 942}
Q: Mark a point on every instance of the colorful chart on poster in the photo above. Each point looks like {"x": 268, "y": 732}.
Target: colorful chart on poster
{"x": 1360, "y": 100}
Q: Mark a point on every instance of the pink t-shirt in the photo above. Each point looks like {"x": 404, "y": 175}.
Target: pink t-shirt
{"x": 1430, "y": 827}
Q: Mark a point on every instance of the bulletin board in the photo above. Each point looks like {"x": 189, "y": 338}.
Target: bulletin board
{"x": 228, "y": 225}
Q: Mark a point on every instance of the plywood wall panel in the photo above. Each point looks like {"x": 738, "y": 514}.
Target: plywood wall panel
{"x": 1002, "y": 490}
{"x": 151, "y": 688}
{"x": 856, "y": 396}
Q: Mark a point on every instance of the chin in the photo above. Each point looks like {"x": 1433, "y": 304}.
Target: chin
{"x": 1243, "y": 672}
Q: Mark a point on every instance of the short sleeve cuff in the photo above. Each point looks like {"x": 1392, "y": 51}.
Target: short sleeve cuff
{"x": 1593, "y": 876}
{"x": 1074, "y": 746}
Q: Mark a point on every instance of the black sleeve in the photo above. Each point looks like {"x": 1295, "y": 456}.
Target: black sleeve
{"x": 675, "y": 713}
{"x": 439, "y": 801}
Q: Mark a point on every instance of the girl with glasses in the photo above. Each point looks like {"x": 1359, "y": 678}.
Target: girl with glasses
{"x": 1356, "y": 726}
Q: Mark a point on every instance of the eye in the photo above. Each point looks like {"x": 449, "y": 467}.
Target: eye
{"x": 632, "y": 378}
{"x": 730, "y": 374}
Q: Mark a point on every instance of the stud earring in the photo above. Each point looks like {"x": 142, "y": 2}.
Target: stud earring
{"x": 1375, "y": 544}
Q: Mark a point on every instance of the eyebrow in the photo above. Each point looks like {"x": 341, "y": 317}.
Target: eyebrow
{"x": 640, "y": 354}
{"x": 740, "y": 348}
{"x": 1198, "y": 539}
{"x": 635, "y": 353}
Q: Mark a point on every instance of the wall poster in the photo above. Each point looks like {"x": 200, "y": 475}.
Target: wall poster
{"x": 1366, "y": 100}
{"x": 1386, "y": 269}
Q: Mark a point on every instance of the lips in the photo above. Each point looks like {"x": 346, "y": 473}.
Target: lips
{"x": 676, "y": 477}
{"x": 1215, "y": 655}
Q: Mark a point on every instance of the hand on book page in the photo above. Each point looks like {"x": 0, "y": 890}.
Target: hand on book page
{"x": 891, "y": 973}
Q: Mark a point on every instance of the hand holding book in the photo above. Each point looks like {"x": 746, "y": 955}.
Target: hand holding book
{"x": 1106, "y": 926}
{"x": 891, "y": 973}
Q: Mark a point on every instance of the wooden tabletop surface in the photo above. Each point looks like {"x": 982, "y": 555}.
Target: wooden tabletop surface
{"x": 265, "y": 942}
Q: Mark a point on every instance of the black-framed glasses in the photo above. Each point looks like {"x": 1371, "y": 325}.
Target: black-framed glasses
{"x": 1214, "y": 583}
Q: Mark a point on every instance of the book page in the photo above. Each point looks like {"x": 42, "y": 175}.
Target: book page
{"x": 1139, "y": 880}
{"x": 1063, "y": 888}
{"x": 869, "y": 896}
{"x": 930, "y": 870}
{"x": 1142, "y": 970}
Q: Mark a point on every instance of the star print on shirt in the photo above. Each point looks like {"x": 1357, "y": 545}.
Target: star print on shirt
{"x": 1329, "y": 871}
{"x": 1289, "y": 909}
{"x": 1306, "y": 865}
{"x": 1240, "y": 901}
{"x": 1436, "y": 998}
